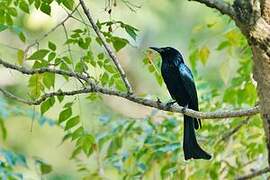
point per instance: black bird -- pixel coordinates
(180, 83)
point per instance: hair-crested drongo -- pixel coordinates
(181, 86)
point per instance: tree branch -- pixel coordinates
(143, 101)
(95, 88)
(46, 34)
(233, 131)
(265, 8)
(220, 5)
(107, 47)
(254, 174)
(24, 70)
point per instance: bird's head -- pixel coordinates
(168, 53)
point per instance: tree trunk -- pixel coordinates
(261, 70)
(258, 35)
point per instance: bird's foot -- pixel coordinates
(184, 109)
(170, 103)
(158, 101)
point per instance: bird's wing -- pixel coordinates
(189, 85)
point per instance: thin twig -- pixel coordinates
(47, 33)
(24, 70)
(254, 174)
(233, 131)
(107, 47)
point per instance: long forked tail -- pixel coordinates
(191, 146)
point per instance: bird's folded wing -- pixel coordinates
(189, 85)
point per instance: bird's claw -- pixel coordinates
(158, 101)
(184, 109)
(169, 104)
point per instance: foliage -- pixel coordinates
(10, 160)
(134, 148)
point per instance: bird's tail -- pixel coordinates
(191, 146)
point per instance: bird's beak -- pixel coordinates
(159, 50)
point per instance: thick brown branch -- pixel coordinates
(220, 5)
(254, 174)
(265, 8)
(107, 47)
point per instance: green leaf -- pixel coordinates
(51, 56)
(9, 20)
(3, 129)
(198, 28)
(66, 137)
(72, 122)
(77, 151)
(64, 115)
(31, 1)
(84, 44)
(45, 168)
(52, 46)
(204, 54)
(151, 68)
(22, 37)
(37, 3)
(24, 6)
(46, 8)
(99, 41)
(94, 97)
(104, 79)
(19, 32)
(46, 105)
(223, 45)
(39, 55)
(225, 71)
(12, 11)
(131, 31)
(67, 60)
(120, 85)
(193, 57)
(87, 142)
(35, 85)
(3, 27)
(68, 4)
(60, 98)
(48, 1)
(20, 56)
(159, 78)
(119, 43)
(65, 67)
(77, 133)
(233, 37)
(68, 105)
(80, 67)
(100, 56)
(115, 144)
(110, 68)
(49, 80)
(169, 147)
